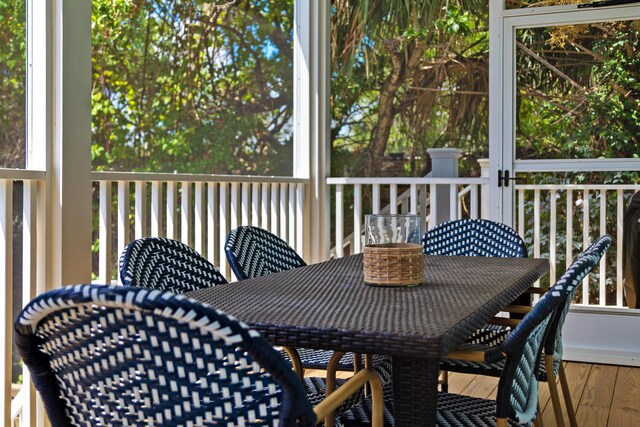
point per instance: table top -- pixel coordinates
(327, 305)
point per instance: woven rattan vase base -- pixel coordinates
(393, 264)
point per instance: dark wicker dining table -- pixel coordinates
(328, 306)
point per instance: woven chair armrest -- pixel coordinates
(535, 290)
(335, 399)
(518, 309)
(504, 321)
(470, 355)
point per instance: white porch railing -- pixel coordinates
(198, 210)
(542, 213)
(398, 196)
(21, 194)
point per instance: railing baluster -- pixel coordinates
(393, 198)
(283, 212)
(234, 211)
(619, 233)
(212, 230)
(123, 218)
(274, 208)
(255, 204)
(585, 241)
(536, 223)
(223, 216)
(140, 209)
(264, 206)
(172, 209)
(569, 225)
(292, 215)
(199, 217)
(453, 202)
(553, 229)
(300, 223)
(339, 220)
(433, 205)
(603, 264)
(521, 214)
(475, 206)
(375, 194)
(413, 197)
(156, 208)
(185, 213)
(246, 206)
(104, 232)
(357, 219)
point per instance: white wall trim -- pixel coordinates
(602, 335)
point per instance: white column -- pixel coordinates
(444, 164)
(70, 168)
(484, 189)
(311, 66)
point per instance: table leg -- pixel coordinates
(415, 391)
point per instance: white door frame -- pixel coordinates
(591, 334)
(503, 24)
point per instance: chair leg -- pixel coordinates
(295, 361)
(502, 422)
(553, 390)
(567, 397)
(332, 368)
(444, 381)
(537, 421)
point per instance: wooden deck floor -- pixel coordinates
(603, 395)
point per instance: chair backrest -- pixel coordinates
(254, 252)
(168, 265)
(553, 345)
(120, 355)
(474, 237)
(518, 387)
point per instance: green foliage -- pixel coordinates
(187, 86)
(430, 58)
(13, 76)
(590, 107)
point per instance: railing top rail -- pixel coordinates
(589, 187)
(406, 180)
(188, 177)
(21, 174)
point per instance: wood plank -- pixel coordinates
(577, 375)
(624, 417)
(627, 391)
(459, 382)
(483, 387)
(592, 416)
(599, 388)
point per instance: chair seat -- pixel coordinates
(465, 411)
(319, 359)
(488, 340)
(453, 410)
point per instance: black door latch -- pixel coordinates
(503, 178)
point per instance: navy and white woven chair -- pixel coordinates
(480, 237)
(520, 356)
(166, 265)
(474, 237)
(254, 252)
(551, 365)
(120, 355)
